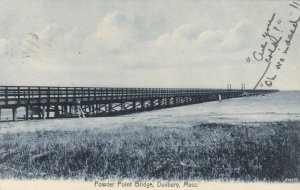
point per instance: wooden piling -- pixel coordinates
(14, 113)
(48, 111)
(26, 112)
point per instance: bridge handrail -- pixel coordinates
(28, 92)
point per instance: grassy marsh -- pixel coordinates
(249, 152)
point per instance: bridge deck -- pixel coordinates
(31, 97)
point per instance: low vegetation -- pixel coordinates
(248, 152)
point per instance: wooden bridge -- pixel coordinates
(41, 102)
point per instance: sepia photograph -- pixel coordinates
(140, 94)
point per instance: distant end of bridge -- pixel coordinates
(42, 102)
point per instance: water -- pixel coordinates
(280, 106)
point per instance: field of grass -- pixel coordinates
(248, 152)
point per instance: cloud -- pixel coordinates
(193, 38)
(181, 35)
(242, 35)
(187, 31)
(210, 39)
(118, 40)
(116, 31)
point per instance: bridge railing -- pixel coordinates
(31, 92)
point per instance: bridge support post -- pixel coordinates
(56, 111)
(123, 106)
(70, 109)
(26, 113)
(65, 110)
(174, 101)
(134, 106)
(31, 112)
(142, 105)
(14, 113)
(105, 108)
(93, 109)
(152, 104)
(90, 109)
(97, 109)
(44, 112)
(109, 107)
(48, 111)
(159, 102)
(39, 112)
(168, 102)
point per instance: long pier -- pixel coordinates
(42, 102)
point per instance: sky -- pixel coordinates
(130, 43)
